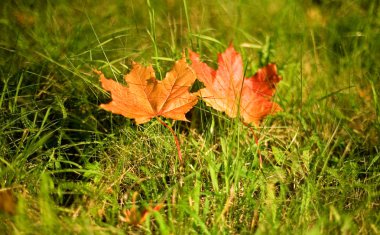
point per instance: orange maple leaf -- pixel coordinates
(145, 97)
(228, 91)
(134, 216)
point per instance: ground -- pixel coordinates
(70, 167)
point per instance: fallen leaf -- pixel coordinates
(134, 216)
(24, 19)
(145, 97)
(8, 201)
(228, 91)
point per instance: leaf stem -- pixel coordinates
(175, 138)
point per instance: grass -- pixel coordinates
(74, 168)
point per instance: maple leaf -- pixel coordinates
(134, 216)
(145, 97)
(228, 91)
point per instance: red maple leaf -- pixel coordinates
(228, 91)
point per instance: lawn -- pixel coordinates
(68, 166)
